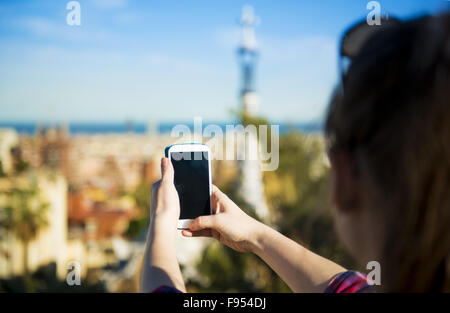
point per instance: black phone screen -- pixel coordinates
(192, 183)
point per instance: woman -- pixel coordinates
(388, 127)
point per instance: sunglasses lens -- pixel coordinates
(356, 36)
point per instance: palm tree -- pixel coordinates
(25, 217)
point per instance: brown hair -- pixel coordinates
(392, 116)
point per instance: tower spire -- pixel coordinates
(248, 56)
(248, 22)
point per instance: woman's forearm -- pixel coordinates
(160, 265)
(301, 269)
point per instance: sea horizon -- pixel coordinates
(121, 127)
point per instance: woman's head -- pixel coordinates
(389, 130)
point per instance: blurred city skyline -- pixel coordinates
(171, 61)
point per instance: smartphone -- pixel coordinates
(192, 166)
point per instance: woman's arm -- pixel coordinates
(160, 264)
(301, 269)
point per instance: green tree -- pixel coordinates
(141, 195)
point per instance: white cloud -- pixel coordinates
(37, 25)
(300, 50)
(295, 75)
(227, 38)
(44, 27)
(179, 64)
(110, 4)
(126, 18)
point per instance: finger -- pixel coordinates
(215, 188)
(218, 199)
(202, 222)
(217, 193)
(215, 205)
(187, 233)
(215, 208)
(198, 233)
(167, 171)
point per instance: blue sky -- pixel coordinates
(171, 60)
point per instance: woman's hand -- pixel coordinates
(165, 204)
(230, 225)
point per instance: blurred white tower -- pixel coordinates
(248, 55)
(251, 184)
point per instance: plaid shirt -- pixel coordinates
(349, 282)
(345, 282)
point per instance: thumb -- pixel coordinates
(202, 222)
(167, 171)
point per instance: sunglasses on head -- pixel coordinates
(354, 39)
(351, 43)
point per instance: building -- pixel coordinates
(8, 140)
(50, 245)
